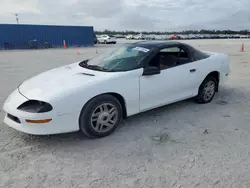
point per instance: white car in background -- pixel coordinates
(139, 37)
(107, 39)
(94, 95)
(129, 37)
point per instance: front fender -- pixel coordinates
(125, 84)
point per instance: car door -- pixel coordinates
(173, 83)
(102, 37)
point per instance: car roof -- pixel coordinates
(156, 42)
(153, 44)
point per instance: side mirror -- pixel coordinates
(151, 70)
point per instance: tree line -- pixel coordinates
(203, 31)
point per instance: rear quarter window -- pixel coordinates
(199, 55)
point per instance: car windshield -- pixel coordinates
(123, 58)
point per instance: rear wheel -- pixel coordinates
(100, 116)
(207, 90)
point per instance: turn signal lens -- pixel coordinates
(38, 121)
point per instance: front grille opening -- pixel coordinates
(14, 118)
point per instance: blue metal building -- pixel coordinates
(19, 36)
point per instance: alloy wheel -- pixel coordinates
(104, 117)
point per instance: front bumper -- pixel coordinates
(17, 119)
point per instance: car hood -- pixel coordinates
(58, 81)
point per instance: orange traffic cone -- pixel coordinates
(64, 44)
(77, 53)
(242, 49)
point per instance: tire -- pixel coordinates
(95, 111)
(207, 90)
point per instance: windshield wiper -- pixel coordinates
(94, 67)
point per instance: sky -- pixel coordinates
(137, 15)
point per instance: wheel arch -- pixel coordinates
(216, 75)
(118, 96)
(122, 102)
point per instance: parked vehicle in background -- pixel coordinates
(139, 37)
(95, 39)
(175, 37)
(129, 37)
(150, 37)
(159, 37)
(107, 39)
(119, 36)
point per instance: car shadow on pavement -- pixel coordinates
(159, 117)
(54, 139)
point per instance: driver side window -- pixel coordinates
(170, 57)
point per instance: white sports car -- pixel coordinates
(94, 95)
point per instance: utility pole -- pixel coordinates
(17, 19)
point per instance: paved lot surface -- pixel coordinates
(200, 146)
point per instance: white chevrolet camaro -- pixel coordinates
(94, 95)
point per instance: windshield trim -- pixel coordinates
(81, 64)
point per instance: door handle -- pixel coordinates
(192, 70)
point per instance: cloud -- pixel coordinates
(99, 8)
(148, 15)
(16, 6)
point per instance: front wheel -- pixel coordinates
(207, 90)
(100, 116)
